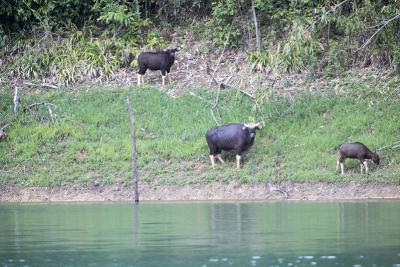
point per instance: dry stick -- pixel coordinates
(375, 33)
(253, 9)
(16, 100)
(333, 9)
(42, 84)
(222, 54)
(273, 188)
(212, 114)
(393, 145)
(135, 175)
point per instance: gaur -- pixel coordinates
(234, 136)
(358, 151)
(160, 60)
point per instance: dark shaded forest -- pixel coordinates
(70, 41)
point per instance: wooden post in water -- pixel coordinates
(135, 175)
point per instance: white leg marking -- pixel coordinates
(342, 167)
(361, 167)
(169, 77)
(138, 79)
(142, 76)
(212, 160)
(238, 157)
(163, 80)
(220, 159)
(366, 167)
(337, 165)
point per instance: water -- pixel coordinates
(201, 234)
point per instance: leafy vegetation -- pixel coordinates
(89, 140)
(70, 41)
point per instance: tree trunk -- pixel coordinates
(253, 9)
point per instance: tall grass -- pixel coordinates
(90, 142)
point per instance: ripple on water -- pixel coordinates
(396, 265)
(256, 257)
(328, 257)
(213, 260)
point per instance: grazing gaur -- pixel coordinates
(355, 151)
(160, 60)
(234, 136)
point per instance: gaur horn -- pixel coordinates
(253, 125)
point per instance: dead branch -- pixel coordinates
(201, 98)
(393, 145)
(33, 106)
(376, 32)
(42, 85)
(333, 9)
(212, 114)
(220, 85)
(273, 188)
(222, 54)
(16, 100)
(248, 94)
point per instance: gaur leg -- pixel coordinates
(238, 158)
(142, 71)
(361, 166)
(213, 152)
(366, 167)
(169, 76)
(212, 158)
(341, 163)
(163, 72)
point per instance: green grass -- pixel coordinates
(90, 141)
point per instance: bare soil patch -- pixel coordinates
(212, 191)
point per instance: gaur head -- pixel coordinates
(375, 158)
(252, 127)
(171, 51)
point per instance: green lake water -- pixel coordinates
(201, 234)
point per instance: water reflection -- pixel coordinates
(201, 234)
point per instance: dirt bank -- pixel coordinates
(213, 191)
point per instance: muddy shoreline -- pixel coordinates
(212, 191)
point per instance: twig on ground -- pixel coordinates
(248, 94)
(273, 188)
(201, 98)
(42, 84)
(31, 107)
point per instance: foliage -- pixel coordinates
(120, 19)
(90, 142)
(102, 36)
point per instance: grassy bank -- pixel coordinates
(89, 141)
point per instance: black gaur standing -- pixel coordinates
(234, 136)
(160, 60)
(358, 151)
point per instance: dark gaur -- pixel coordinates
(160, 60)
(358, 151)
(234, 136)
